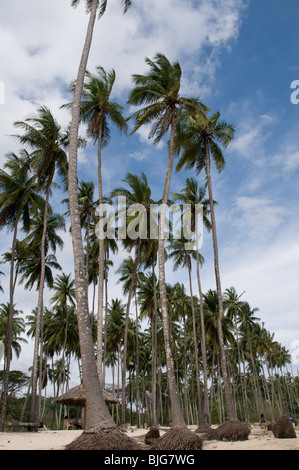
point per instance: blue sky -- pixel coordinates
(239, 57)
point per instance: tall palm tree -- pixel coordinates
(18, 196)
(233, 306)
(147, 298)
(194, 196)
(97, 414)
(159, 91)
(182, 257)
(98, 111)
(137, 201)
(201, 138)
(48, 142)
(115, 339)
(64, 290)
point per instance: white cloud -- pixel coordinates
(258, 218)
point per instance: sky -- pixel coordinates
(238, 57)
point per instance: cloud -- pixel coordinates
(252, 133)
(258, 218)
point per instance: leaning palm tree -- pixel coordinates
(18, 195)
(201, 137)
(159, 91)
(98, 111)
(97, 414)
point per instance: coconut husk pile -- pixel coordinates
(152, 435)
(108, 439)
(204, 425)
(178, 438)
(283, 428)
(230, 431)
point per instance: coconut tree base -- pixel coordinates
(152, 435)
(230, 431)
(284, 429)
(104, 439)
(178, 438)
(204, 425)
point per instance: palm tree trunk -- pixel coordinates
(101, 269)
(154, 350)
(203, 340)
(8, 339)
(195, 346)
(39, 317)
(137, 366)
(97, 414)
(105, 321)
(229, 401)
(176, 412)
(124, 365)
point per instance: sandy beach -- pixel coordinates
(57, 440)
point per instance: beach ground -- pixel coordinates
(57, 440)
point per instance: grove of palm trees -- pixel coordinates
(134, 315)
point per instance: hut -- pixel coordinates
(76, 397)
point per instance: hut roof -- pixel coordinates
(76, 397)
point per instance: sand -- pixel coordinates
(57, 440)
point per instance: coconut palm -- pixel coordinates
(115, 337)
(182, 258)
(64, 290)
(30, 270)
(159, 91)
(97, 414)
(233, 307)
(48, 142)
(88, 210)
(98, 111)
(137, 200)
(18, 196)
(194, 196)
(201, 137)
(20, 254)
(18, 328)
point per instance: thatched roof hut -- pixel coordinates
(76, 397)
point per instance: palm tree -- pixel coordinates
(88, 210)
(137, 200)
(17, 197)
(44, 136)
(247, 321)
(233, 306)
(18, 328)
(147, 298)
(97, 111)
(194, 196)
(97, 414)
(31, 273)
(182, 257)
(201, 137)
(65, 290)
(159, 92)
(115, 336)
